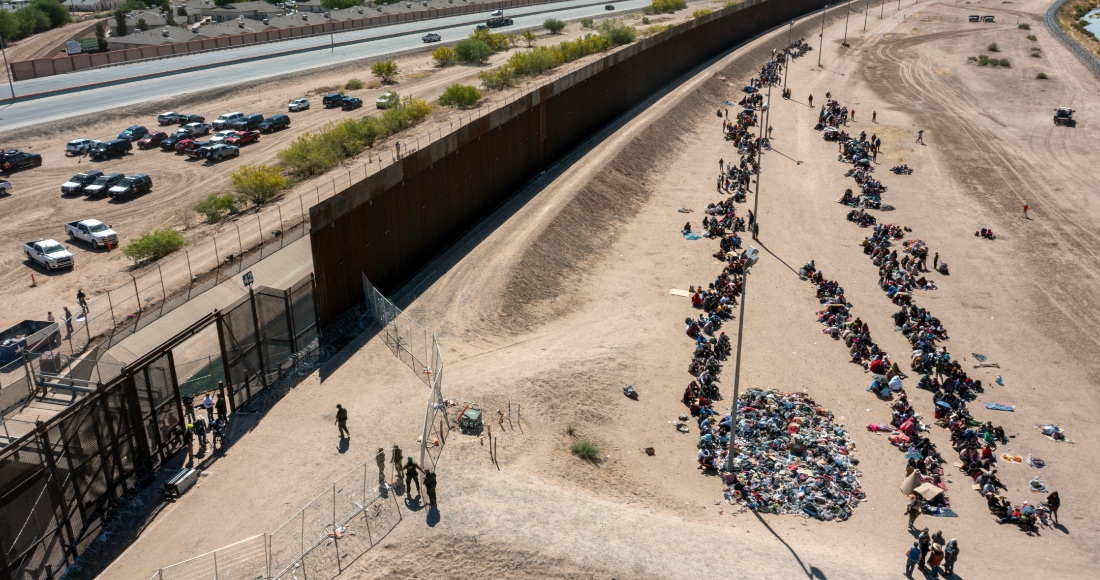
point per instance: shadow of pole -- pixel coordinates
(810, 572)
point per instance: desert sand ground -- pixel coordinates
(564, 296)
(37, 209)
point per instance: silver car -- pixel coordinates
(80, 146)
(298, 105)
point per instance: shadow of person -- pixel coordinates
(1061, 528)
(413, 504)
(433, 516)
(344, 444)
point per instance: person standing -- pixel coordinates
(188, 407)
(912, 509)
(1054, 502)
(752, 218)
(936, 261)
(920, 136)
(811, 101)
(68, 320)
(412, 475)
(874, 116)
(219, 406)
(380, 458)
(49, 317)
(852, 114)
(208, 404)
(935, 558)
(1026, 207)
(82, 300)
(200, 432)
(342, 422)
(950, 555)
(924, 542)
(429, 486)
(189, 441)
(911, 558)
(396, 459)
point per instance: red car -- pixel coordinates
(186, 145)
(242, 137)
(152, 140)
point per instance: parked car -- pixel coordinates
(13, 159)
(152, 140)
(48, 253)
(216, 152)
(186, 145)
(609, 7)
(80, 146)
(387, 100)
(332, 100)
(170, 141)
(351, 103)
(135, 184)
(274, 122)
(298, 105)
(93, 232)
(109, 148)
(169, 118)
(79, 181)
(103, 184)
(242, 138)
(5, 187)
(431, 37)
(197, 129)
(247, 123)
(134, 133)
(496, 13)
(185, 119)
(223, 121)
(222, 136)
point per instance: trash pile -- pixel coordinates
(791, 458)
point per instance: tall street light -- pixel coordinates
(6, 68)
(866, 7)
(821, 44)
(846, 15)
(787, 51)
(751, 256)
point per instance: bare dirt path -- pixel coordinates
(46, 44)
(604, 233)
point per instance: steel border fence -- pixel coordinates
(1087, 58)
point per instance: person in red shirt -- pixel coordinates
(1025, 209)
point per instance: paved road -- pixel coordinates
(316, 54)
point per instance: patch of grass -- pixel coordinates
(1004, 62)
(664, 6)
(587, 22)
(570, 430)
(993, 47)
(354, 85)
(1032, 37)
(971, 59)
(1042, 76)
(700, 13)
(585, 449)
(1024, 27)
(645, 20)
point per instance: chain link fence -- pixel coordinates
(1090, 60)
(404, 336)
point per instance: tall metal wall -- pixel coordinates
(391, 224)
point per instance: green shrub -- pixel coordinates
(554, 25)
(31, 20)
(101, 36)
(258, 184)
(649, 31)
(730, 4)
(1032, 37)
(121, 27)
(700, 13)
(645, 20)
(461, 96)
(495, 40)
(585, 449)
(665, 6)
(993, 47)
(586, 22)
(385, 70)
(155, 245)
(1004, 62)
(499, 78)
(984, 60)
(443, 56)
(1042, 76)
(570, 430)
(57, 12)
(354, 85)
(529, 38)
(971, 59)
(616, 33)
(1024, 27)
(215, 206)
(535, 61)
(472, 50)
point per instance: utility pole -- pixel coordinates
(751, 256)
(866, 7)
(787, 51)
(6, 68)
(881, 7)
(821, 36)
(846, 16)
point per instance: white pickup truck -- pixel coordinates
(48, 253)
(93, 232)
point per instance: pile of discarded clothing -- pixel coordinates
(790, 457)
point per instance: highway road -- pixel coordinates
(218, 70)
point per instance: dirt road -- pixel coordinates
(564, 297)
(49, 43)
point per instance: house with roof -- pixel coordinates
(250, 10)
(155, 37)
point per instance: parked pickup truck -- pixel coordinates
(94, 232)
(50, 254)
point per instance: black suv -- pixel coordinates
(274, 122)
(109, 148)
(351, 103)
(79, 182)
(13, 159)
(136, 184)
(102, 184)
(332, 100)
(247, 122)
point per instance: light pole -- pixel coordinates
(881, 7)
(821, 44)
(751, 256)
(846, 15)
(6, 68)
(866, 7)
(759, 158)
(787, 51)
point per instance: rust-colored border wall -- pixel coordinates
(391, 224)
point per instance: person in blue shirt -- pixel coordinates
(911, 558)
